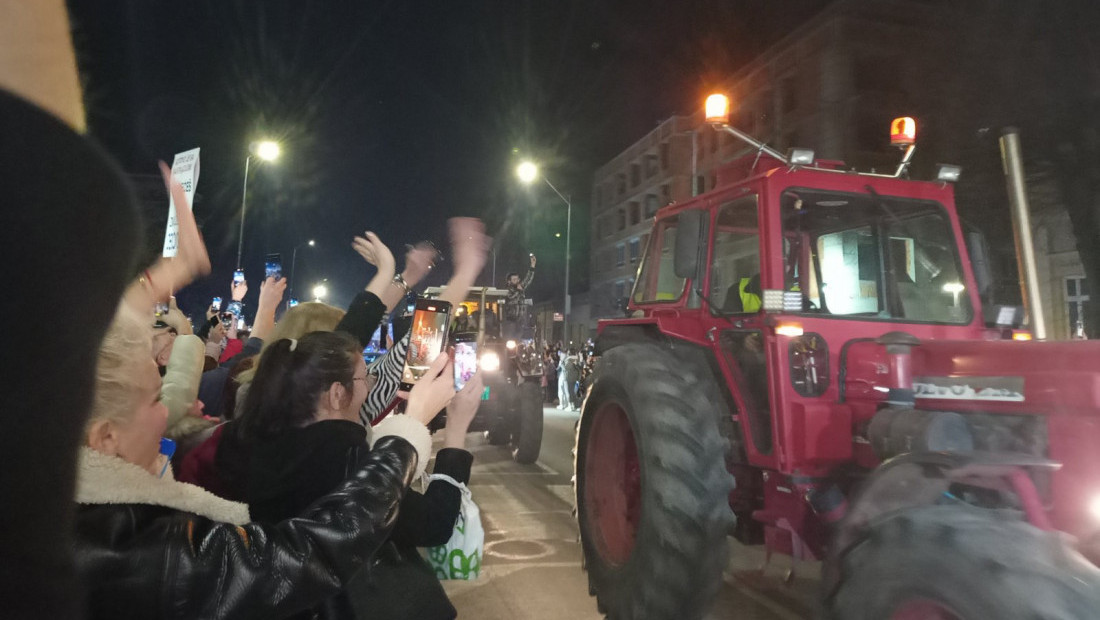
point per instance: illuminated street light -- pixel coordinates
(528, 172)
(266, 150)
(320, 292)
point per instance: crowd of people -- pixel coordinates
(222, 473)
(567, 374)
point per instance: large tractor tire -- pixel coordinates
(652, 486)
(958, 562)
(527, 438)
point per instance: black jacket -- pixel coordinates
(146, 561)
(289, 470)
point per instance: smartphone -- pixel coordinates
(293, 302)
(236, 308)
(238, 277)
(465, 361)
(161, 308)
(216, 304)
(240, 324)
(273, 266)
(430, 325)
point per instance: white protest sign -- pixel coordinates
(185, 168)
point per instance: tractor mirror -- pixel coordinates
(689, 232)
(979, 261)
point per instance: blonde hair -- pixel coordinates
(311, 316)
(125, 348)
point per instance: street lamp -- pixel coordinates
(528, 172)
(293, 262)
(320, 292)
(266, 150)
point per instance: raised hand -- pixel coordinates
(419, 260)
(191, 256)
(469, 245)
(532, 261)
(371, 248)
(433, 391)
(238, 290)
(461, 412)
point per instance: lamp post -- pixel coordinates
(528, 172)
(267, 151)
(320, 292)
(293, 262)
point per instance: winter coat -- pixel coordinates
(149, 547)
(293, 468)
(181, 387)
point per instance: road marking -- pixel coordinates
(545, 549)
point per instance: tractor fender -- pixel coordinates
(921, 479)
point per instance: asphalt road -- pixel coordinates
(532, 564)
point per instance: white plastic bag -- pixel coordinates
(460, 558)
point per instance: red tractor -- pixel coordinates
(808, 369)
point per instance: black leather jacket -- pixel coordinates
(145, 561)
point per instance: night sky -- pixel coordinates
(395, 115)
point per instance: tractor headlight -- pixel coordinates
(510, 345)
(490, 361)
(1094, 507)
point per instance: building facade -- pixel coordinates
(833, 85)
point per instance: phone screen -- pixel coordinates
(236, 308)
(293, 302)
(273, 266)
(240, 324)
(430, 325)
(465, 363)
(216, 304)
(381, 339)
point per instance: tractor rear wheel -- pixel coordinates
(527, 439)
(958, 562)
(652, 486)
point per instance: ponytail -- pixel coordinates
(290, 378)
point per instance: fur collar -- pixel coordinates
(103, 479)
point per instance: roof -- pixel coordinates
(473, 294)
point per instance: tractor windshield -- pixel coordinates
(872, 256)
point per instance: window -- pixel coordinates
(1077, 294)
(635, 175)
(650, 206)
(620, 184)
(735, 269)
(656, 280)
(664, 156)
(621, 219)
(620, 290)
(666, 195)
(871, 257)
(700, 185)
(650, 165)
(635, 250)
(620, 255)
(635, 213)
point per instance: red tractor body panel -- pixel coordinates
(789, 437)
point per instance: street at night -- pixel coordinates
(550, 310)
(532, 568)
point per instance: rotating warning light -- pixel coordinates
(718, 109)
(903, 131)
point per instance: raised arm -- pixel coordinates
(470, 248)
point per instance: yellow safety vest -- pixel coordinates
(750, 302)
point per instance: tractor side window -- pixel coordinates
(657, 281)
(735, 268)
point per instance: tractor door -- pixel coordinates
(735, 323)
